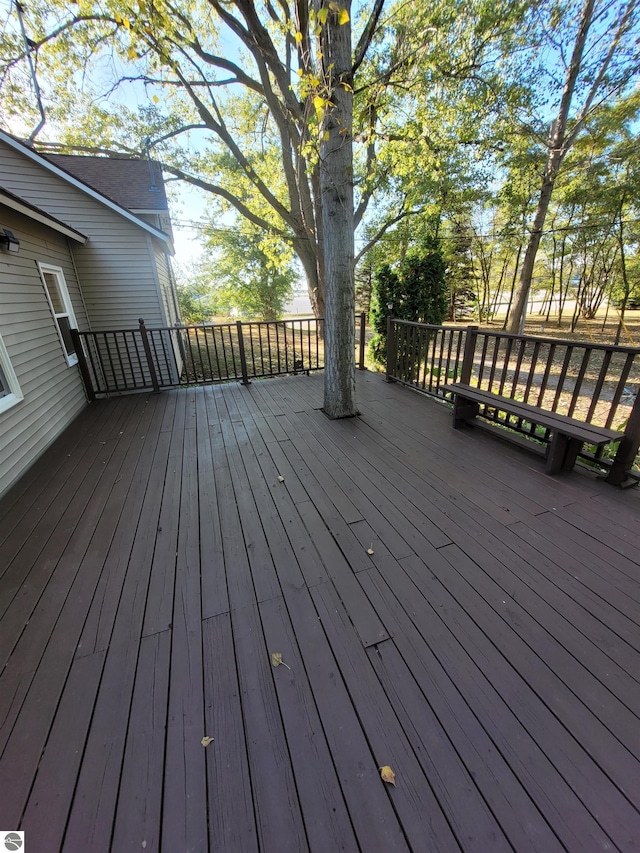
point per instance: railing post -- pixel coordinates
(391, 350)
(82, 364)
(468, 354)
(147, 351)
(363, 330)
(628, 447)
(243, 356)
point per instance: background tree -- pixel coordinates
(416, 291)
(249, 272)
(198, 301)
(604, 58)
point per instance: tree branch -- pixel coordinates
(367, 35)
(233, 200)
(584, 112)
(402, 215)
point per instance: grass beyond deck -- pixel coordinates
(488, 649)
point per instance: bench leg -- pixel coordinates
(463, 411)
(562, 453)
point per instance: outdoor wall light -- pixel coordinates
(9, 242)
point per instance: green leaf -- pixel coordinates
(323, 14)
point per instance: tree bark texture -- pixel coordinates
(336, 182)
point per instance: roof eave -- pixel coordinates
(76, 182)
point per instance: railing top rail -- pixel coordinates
(87, 333)
(427, 325)
(536, 338)
(560, 341)
(232, 324)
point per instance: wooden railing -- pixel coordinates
(126, 360)
(595, 383)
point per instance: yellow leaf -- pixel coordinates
(155, 99)
(126, 23)
(206, 741)
(297, 36)
(276, 660)
(323, 14)
(132, 54)
(334, 6)
(326, 135)
(387, 775)
(343, 17)
(319, 104)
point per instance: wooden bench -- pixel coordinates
(568, 434)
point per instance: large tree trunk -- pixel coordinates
(305, 250)
(515, 322)
(336, 182)
(558, 145)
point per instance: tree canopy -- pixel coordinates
(465, 122)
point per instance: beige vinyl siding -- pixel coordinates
(53, 392)
(166, 285)
(115, 267)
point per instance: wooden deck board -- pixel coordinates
(488, 649)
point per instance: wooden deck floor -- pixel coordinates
(488, 650)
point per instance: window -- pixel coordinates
(10, 392)
(58, 295)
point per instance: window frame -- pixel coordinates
(14, 394)
(63, 292)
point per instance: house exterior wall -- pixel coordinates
(116, 266)
(52, 390)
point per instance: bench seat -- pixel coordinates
(568, 434)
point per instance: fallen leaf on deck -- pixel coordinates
(206, 741)
(144, 844)
(276, 660)
(281, 479)
(388, 775)
(370, 550)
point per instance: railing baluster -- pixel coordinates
(561, 378)
(147, 352)
(269, 367)
(126, 345)
(253, 371)
(604, 368)
(516, 374)
(469, 354)
(91, 346)
(483, 358)
(494, 362)
(532, 370)
(547, 373)
(505, 369)
(243, 357)
(208, 349)
(448, 362)
(624, 375)
(215, 348)
(119, 357)
(579, 380)
(441, 335)
(113, 370)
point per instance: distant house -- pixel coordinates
(85, 243)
